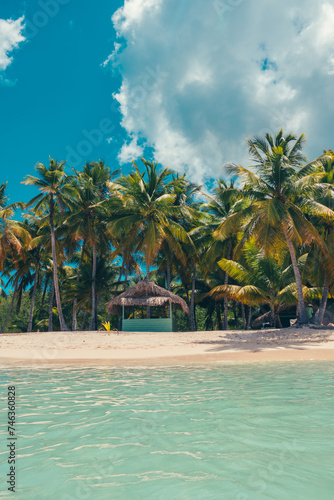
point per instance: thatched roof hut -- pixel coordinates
(145, 293)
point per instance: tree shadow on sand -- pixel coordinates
(256, 341)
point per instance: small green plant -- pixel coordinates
(106, 325)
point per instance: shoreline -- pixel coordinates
(165, 348)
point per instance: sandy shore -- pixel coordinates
(99, 348)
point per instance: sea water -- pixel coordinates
(228, 431)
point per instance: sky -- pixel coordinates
(183, 82)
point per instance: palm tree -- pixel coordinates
(33, 257)
(227, 200)
(55, 191)
(173, 251)
(278, 190)
(106, 278)
(260, 280)
(142, 220)
(13, 235)
(88, 219)
(324, 194)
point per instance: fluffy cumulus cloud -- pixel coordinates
(130, 151)
(10, 38)
(199, 77)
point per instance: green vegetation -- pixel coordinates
(261, 245)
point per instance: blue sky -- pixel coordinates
(57, 90)
(181, 81)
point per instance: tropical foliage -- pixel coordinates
(262, 242)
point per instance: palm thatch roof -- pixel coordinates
(145, 293)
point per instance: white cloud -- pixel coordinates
(132, 13)
(113, 56)
(130, 151)
(10, 38)
(199, 77)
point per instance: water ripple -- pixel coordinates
(229, 431)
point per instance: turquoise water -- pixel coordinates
(234, 432)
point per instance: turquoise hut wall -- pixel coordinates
(148, 325)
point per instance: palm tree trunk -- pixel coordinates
(226, 283)
(93, 321)
(19, 298)
(192, 301)
(301, 317)
(243, 315)
(63, 325)
(84, 320)
(74, 314)
(219, 318)
(225, 320)
(9, 310)
(234, 308)
(168, 275)
(126, 272)
(148, 310)
(33, 299)
(52, 299)
(249, 317)
(319, 316)
(120, 273)
(272, 316)
(44, 292)
(278, 321)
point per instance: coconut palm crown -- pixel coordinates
(277, 185)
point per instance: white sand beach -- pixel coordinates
(97, 348)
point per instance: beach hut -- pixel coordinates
(146, 307)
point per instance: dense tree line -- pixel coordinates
(261, 245)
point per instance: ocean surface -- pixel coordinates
(228, 431)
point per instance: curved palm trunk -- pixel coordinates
(121, 273)
(74, 314)
(319, 316)
(192, 301)
(301, 316)
(225, 321)
(168, 275)
(93, 320)
(148, 310)
(126, 272)
(9, 310)
(19, 298)
(52, 298)
(275, 319)
(272, 317)
(63, 325)
(278, 321)
(33, 299)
